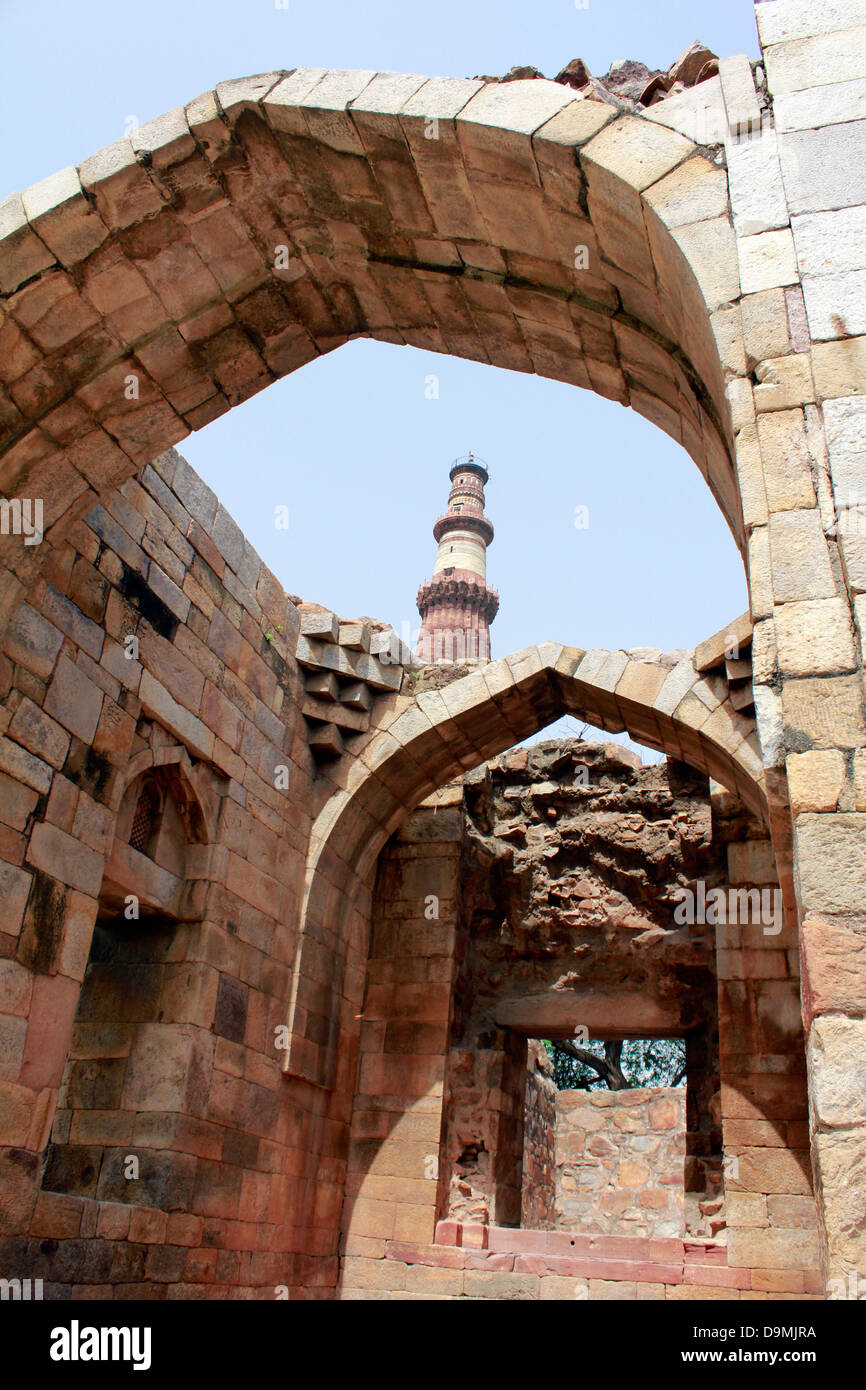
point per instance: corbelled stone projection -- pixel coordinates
(221, 1069)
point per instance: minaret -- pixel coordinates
(456, 606)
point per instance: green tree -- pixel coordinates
(617, 1066)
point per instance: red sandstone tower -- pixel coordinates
(456, 606)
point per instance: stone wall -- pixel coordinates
(573, 857)
(721, 298)
(512, 941)
(620, 1161)
(145, 988)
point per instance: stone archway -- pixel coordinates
(463, 967)
(144, 294)
(443, 731)
(177, 273)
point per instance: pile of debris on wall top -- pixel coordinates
(629, 84)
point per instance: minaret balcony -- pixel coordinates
(463, 521)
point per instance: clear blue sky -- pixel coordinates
(350, 443)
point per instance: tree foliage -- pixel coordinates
(616, 1066)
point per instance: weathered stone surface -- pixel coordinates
(832, 865)
(74, 701)
(785, 20)
(829, 104)
(33, 641)
(739, 95)
(757, 196)
(766, 260)
(211, 705)
(815, 638)
(773, 1249)
(792, 65)
(698, 113)
(840, 1164)
(815, 780)
(620, 1176)
(845, 426)
(823, 298)
(839, 368)
(827, 713)
(784, 382)
(823, 169)
(799, 557)
(834, 959)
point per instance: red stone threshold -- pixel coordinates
(643, 1259)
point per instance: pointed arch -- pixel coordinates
(440, 733)
(223, 245)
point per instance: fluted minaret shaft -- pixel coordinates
(456, 605)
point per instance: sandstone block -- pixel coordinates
(839, 368)
(63, 218)
(836, 304)
(748, 1208)
(768, 1170)
(767, 260)
(829, 713)
(65, 858)
(787, 460)
(765, 324)
(698, 113)
(830, 861)
(159, 704)
(40, 734)
(784, 382)
(836, 1056)
(792, 64)
(757, 195)
(692, 192)
(120, 185)
(33, 641)
(824, 169)
(775, 1248)
(496, 125)
(169, 1068)
(814, 638)
(14, 892)
(74, 701)
(799, 557)
(830, 104)
(711, 250)
(632, 152)
(815, 780)
(792, 1211)
(17, 802)
(845, 425)
(840, 1161)
(24, 254)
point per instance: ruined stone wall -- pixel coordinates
(620, 1161)
(538, 1195)
(723, 303)
(142, 1094)
(545, 916)
(573, 857)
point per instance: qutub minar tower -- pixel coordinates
(456, 605)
